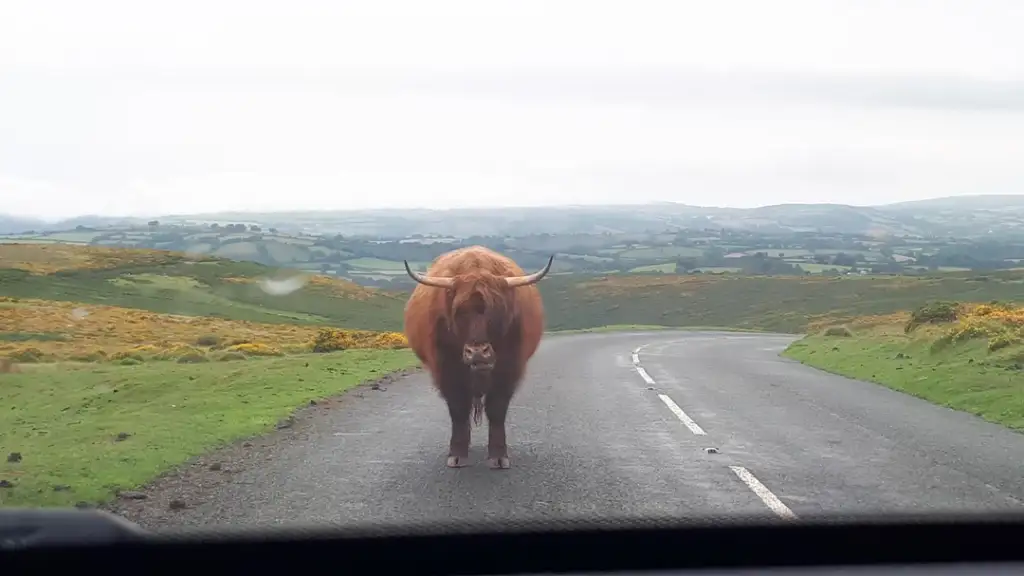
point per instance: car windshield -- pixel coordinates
(404, 263)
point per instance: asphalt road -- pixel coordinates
(616, 425)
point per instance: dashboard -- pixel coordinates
(41, 539)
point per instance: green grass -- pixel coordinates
(287, 252)
(719, 269)
(64, 420)
(380, 265)
(667, 268)
(791, 253)
(241, 250)
(965, 377)
(661, 252)
(73, 237)
(815, 268)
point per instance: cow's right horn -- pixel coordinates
(517, 281)
(435, 281)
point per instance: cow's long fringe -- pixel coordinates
(478, 410)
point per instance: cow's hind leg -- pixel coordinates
(496, 406)
(459, 401)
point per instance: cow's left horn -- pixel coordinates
(435, 281)
(517, 281)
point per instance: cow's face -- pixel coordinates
(478, 316)
(479, 310)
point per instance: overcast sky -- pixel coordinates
(147, 108)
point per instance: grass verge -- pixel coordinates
(966, 376)
(79, 433)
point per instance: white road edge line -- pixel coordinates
(682, 415)
(762, 492)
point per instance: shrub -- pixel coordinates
(841, 331)
(94, 356)
(933, 313)
(390, 340)
(208, 340)
(255, 349)
(1003, 340)
(129, 361)
(230, 356)
(296, 348)
(27, 355)
(193, 358)
(178, 352)
(331, 340)
(123, 354)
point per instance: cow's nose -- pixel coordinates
(478, 355)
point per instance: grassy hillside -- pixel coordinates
(967, 357)
(781, 304)
(177, 283)
(174, 283)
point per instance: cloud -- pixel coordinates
(127, 108)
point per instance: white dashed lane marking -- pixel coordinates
(683, 417)
(760, 490)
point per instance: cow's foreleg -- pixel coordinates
(496, 406)
(459, 404)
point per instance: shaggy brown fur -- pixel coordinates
(511, 320)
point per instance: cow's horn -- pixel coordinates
(517, 281)
(435, 281)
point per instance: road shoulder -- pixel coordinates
(165, 497)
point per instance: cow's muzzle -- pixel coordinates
(478, 356)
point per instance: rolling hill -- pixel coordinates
(179, 283)
(961, 216)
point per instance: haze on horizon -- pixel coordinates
(126, 108)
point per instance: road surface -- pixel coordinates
(614, 424)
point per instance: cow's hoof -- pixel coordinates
(457, 461)
(500, 463)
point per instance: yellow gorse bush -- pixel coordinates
(48, 329)
(255, 349)
(331, 339)
(1001, 324)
